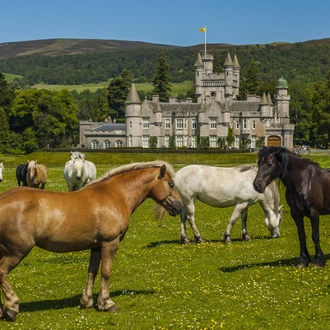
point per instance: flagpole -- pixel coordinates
(205, 39)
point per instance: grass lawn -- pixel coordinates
(160, 284)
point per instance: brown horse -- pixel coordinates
(36, 175)
(95, 217)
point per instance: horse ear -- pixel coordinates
(162, 172)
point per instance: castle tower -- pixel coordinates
(133, 118)
(282, 101)
(236, 77)
(229, 68)
(199, 70)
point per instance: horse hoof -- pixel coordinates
(227, 241)
(9, 315)
(184, 241)
(301, 265)
(113, 309)
(246, 238)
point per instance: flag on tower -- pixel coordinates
(202, 29)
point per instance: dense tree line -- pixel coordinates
(298, 61)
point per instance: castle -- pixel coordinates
(217, 115)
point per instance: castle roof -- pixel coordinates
(228, 61)
(199, 61)
(282, 83)
(109, 127)
(133, 96)
(236, 64)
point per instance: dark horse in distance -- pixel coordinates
(21, 173)
(307, 193)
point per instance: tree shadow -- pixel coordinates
(73, 301)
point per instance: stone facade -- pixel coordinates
(253, 122)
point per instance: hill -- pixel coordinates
(96, 61)
(52, 47)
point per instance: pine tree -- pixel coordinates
(161, 80)
(252, 78)
(117, 93)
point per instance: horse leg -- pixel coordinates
(304, 258)
(190, 208)
(10, 307)
(94, 263)
(244, 234)
(319, 260)
(109, 249)
(183, 217)
(239, 208)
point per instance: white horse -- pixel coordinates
(78, 173)
(224, 187)
(77, 154)
(1, 169)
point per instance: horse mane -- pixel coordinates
(137, 166)
(245, 168)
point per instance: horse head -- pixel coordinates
(32, 168)
(78, 168)
(165, 193)
(272, 162)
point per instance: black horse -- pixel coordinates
(307, 193)
(21, 172)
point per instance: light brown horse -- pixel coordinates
(36, 175)
(95, 217)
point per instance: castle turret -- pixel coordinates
(283, 101)
(199, 69)
(236, 77)
(133, 118)
(229, 67)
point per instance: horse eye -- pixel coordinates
(171, 184)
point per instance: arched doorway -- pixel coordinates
(274, 141)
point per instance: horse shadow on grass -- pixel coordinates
(278, 263)
(73, 301)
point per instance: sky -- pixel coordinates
(167, 22)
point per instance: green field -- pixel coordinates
(179, 88)
(160, 284)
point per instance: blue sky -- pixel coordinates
(166, 22)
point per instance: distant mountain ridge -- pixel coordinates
(67, 46)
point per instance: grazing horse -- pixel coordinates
(1, 169)
(21, 173)
(78, 173)
(307, 193)
(95, 217)
(36, 175)
(224, 187)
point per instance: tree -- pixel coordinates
(4, 131)
(161, 80)
(252, 78)
(230, 138)
(117, 93)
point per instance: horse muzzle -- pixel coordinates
(176, 208)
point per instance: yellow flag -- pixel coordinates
(202, 29)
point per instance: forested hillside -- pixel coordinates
(308, 61)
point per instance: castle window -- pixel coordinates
(119, 144)
(193, 123)
(213, 141)
(244, 123)
(167, 123)
(179, 123)
(167, 141)
(145, 123)
(130, 125)
(213, 123)
(145, 141)
(106, 144)
(253, 124)
(179, 141)
(130, 141)
(237, 124)
(95, 144)
(193, 142)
